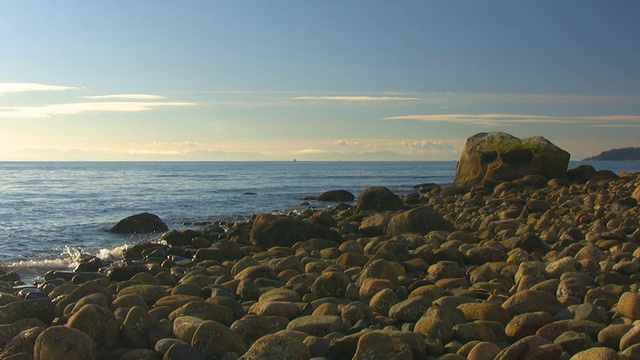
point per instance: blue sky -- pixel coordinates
(311, 80)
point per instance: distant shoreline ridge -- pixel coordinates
(622, 154)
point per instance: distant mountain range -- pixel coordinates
(625, 154)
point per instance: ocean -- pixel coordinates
(51, 212)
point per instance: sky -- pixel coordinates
(313, 80)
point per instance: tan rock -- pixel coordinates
(531, 301)
(277, 346)
(61, 342)
(531, 347)
(484, 351)
(376, 345)
(285, 309)
(319, 325)
(597, 353)
(629, 305)
(205, 311)
(212, 338)
(99, 323)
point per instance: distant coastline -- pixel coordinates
(624, 154)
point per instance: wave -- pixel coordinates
(33, 270)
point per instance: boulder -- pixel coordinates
(336, 196)
(422, 220)
(581, 173)
(61, 342)
(277, 346)
(97, 322)
(489, 158)
(378, 199)
(139, 223)
(375, 225)
(213, 339)
(274, 230)
(382, 346)
(41, 309)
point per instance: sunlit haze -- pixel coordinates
(313, 80)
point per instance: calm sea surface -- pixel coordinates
(50, 211)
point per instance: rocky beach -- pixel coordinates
(519, 259)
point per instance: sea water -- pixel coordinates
(52, 212)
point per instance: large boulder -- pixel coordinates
(421, 220)
(489, 158)
(274, 230)
(378, 199)
(139, 223)
(336, 196)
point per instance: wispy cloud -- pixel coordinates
(315, 97)
(346, 143)
(312, 151)
(355, 98)
(514, 119)
(474, 98)
(154, 152)
(6, 88)
(46, 111)
(126, 97)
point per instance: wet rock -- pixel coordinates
(336, 196)
(139, 223)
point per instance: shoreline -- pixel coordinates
(449, 274)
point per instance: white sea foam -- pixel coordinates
(115, 253)
(34, 270)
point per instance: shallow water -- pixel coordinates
(52, 211)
